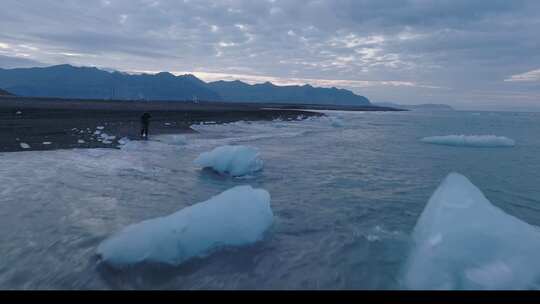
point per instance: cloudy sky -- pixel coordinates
(471, 54)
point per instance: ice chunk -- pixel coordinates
(47, 142)
(337, 122)
(106, 137)
(25, 145)
(80, 141)
(123, 140)
(470, 140)
(100, 127)
(462, 241)
(236, 217)
(233, 160)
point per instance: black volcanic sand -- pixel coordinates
(64, 122)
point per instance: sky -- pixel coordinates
(471, 54)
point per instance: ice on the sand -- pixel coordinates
(232, 160)
(470, 140)
(25, 145)
(236, 217)
(462, 241)
(106, 139)
(105, 136)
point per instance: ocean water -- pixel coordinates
(346, 191)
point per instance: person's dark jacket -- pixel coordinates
(145, 119)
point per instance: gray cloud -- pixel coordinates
(407, 51)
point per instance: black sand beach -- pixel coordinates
(48, 124)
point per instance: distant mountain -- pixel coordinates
(5, 93)
(420, 107)
(267, 92)
(66, 81)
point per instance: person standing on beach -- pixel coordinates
(145, 122)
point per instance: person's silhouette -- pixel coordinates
(145, 122)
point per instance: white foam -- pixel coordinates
(236, 217)
(470, 140)
(233, 160)
(462, 241)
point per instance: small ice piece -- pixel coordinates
(47, 142)
(123, 140)
(18, 113)
(462, 241)
(236, 217)
(470, 140)
(105, 136)
(337, 122)
(107, 142)
(167, 123)
(233, 160)
(373, 238)
(80, 141)
(97, 132)
(100, 127)
(25, 145)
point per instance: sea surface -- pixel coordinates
(346, 191)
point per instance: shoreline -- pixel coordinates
(61, 124)
(52, 124)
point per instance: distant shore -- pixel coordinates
(49, 124)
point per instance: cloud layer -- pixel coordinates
(463, 52)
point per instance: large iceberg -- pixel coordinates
(462, 241)
(233, 160)
(470, 140)
(236, 217)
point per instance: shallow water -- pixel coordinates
(345, 199)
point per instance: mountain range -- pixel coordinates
(66, 81)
